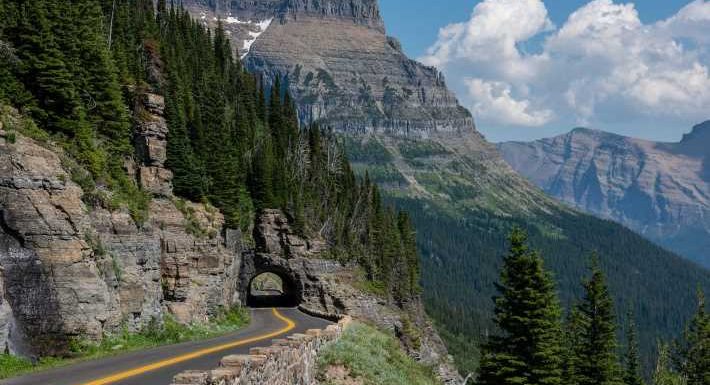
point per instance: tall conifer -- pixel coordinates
(598, 361)
(632, 364)
(695, 346)
(528, 350)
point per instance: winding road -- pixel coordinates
(158, 366)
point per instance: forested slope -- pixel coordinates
(80, 77)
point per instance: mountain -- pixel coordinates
(660, 190)
(406, 131)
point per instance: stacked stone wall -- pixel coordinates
(288, 361)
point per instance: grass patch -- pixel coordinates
(381, 174)
(368, 286)
(192, 225)
(421, 149)
(154, 334)
(368, 150)
(166, 333)
(11, 364)
(374, 358)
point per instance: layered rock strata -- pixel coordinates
(71, 271)
(661, 190)
(342, 69)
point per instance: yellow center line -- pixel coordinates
(290, 325)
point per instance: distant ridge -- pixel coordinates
(661, 190)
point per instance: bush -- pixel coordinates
(10, 365)
(374, 358)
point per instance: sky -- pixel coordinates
(536, 68)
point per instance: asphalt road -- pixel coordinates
(158, 366)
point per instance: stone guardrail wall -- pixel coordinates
(289, 361)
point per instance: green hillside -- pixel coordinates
(463, 217)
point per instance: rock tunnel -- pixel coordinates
(269, 281)
(262, 290)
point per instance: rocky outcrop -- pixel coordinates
(661, 190)
(355, 79)
(341, 67)
(73, 271)
(273, 235)
(290, 361)
(331, 290)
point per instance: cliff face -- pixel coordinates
(661, 190)
(346, 74)
(70, 271)
(341, 67)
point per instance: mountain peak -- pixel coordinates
(697, 140)
(593, 133)
(362, 11)
(699, 132)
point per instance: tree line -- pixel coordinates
(534, 345)
(234, 140)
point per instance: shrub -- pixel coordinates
(374, 358)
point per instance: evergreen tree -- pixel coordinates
(632, 365)
(695, 347)
(409, 252)
(528, 350)
(95, 74)
(572, 344)
(664, 373)
(44, 71)
(598, 363)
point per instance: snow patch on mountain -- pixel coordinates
(262, 27)
(259, 27)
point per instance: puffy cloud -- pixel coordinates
(602, 65)
(690, 22)
(493, 100)
(491, 35)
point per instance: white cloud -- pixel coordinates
(493, 100)
(491, 35)
(691, 22)
(602, 65)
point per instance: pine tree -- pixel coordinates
(44, 71)
(695, 347)
(572, 344)
(664, 373)
(95, 74)
(632, 366)
(598, 362)
(528, 350)
(187, 180)
(409, 257)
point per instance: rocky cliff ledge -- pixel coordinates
(73, 271)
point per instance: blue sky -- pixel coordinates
(416, 22)
(536, 106)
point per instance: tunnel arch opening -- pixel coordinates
(273, 288)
